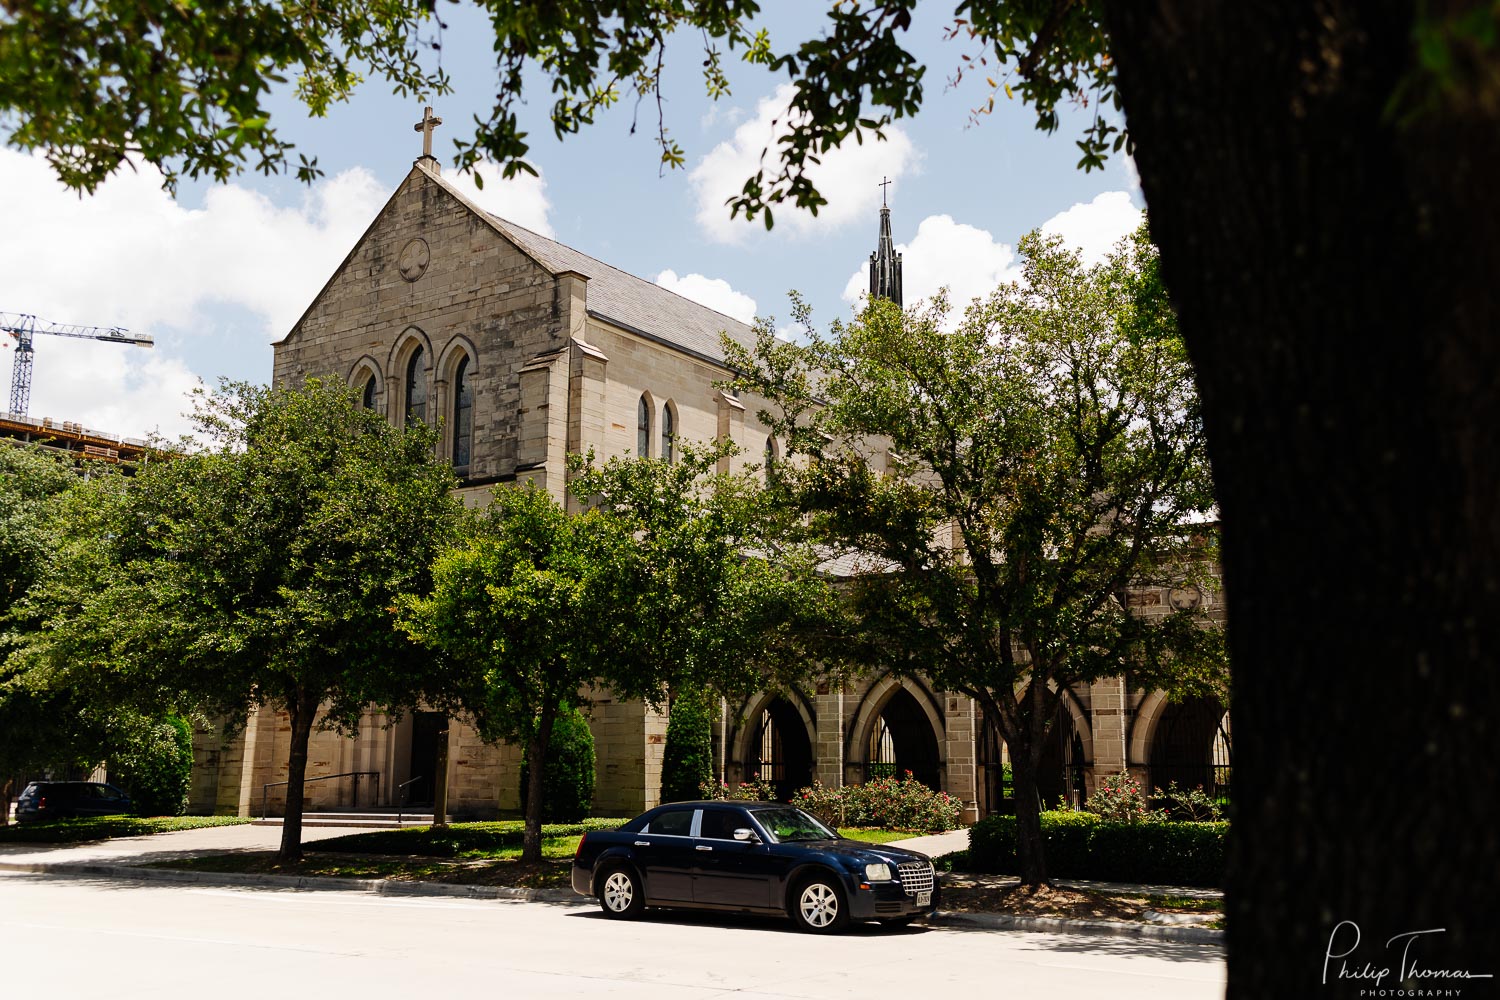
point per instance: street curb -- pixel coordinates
(376, 886)
(387, 887)
(1062, 925)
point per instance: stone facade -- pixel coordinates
(558, 351)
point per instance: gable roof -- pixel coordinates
(638, 305)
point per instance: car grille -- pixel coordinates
(916, 876)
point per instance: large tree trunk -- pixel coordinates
(536, 767)
(1337, 278)
(1031, 857)
(302, 711)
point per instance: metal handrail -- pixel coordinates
(401, 795)
(356, 775)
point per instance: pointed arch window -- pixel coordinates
(416, 388)
(463, 416)
(667, 431)
(367, 394)
(643, 428)
(770, 460)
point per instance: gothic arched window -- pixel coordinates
(643, 428)
(367, 394)
(463, 416)
(770, 455)
(416, 389)
(667, 430)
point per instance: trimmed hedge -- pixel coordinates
(1080, 845)
(688, 759)
(454, 840)
(568, 777)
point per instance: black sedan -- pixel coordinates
(751, 857)
(44, 800)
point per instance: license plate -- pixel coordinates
(924, 898)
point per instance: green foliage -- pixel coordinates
(1081, 845)
(156, 766)
(568, 778)
(688, 759)
(1119, 799)
(454, 840)
(78, 831)
(1193, 804)
(756, 789)
(1006, 480)
(651, 579)
(257, 565)
(890, 803)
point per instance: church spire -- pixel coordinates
(885, 262)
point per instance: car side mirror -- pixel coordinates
(744, 833)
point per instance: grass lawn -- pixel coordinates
(551, 873)
(876, 835)
(501, 839)
(76, 831)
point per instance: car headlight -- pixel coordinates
(878, 873)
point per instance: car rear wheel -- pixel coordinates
(620, 894)
(818, 905)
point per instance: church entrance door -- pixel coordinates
(425, 727)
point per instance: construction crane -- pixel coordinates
(23, 327)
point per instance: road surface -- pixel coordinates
(84, 937)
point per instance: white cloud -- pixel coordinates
(965, 259)
(522, 199)
(847, 176)
(130, 256)
(716, 293)
(1095, 227)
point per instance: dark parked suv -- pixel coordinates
(43, 800)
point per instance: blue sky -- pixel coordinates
(221, 272)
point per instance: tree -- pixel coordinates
(1040, 459)
(568, 779)
(1327, 229)
(259, 567)
(651, 585)
(687, 760)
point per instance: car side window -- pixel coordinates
(673, 822)
(720, 824)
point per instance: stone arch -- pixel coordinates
(458, 350)
(797, 724)
(408, 343)
(669, 432)
(652, 423)
(1190, 745)
(1143, 727)
(362, 371)
(872, 706)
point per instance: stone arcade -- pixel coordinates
(527, 350)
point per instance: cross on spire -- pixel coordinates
(425, 126)
(884, 183)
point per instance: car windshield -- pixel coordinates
(788, 825)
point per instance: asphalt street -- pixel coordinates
(96, 937)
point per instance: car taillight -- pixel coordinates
(579, 849)
(41, 803)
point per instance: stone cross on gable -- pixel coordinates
(425, 126)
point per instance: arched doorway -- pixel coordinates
(1192, 747)
(902, 740)
(1060, 775)
(780, 750)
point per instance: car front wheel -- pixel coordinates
(620, 894)
(818, 906)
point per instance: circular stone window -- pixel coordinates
(414, 259)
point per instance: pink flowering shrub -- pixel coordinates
(1119, 799)
(889, 803)
(754, 790)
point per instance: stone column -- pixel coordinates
(1108, 705)
(732, 429)
(958, 719)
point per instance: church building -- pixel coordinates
(524, 350)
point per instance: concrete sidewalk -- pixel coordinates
(149, 848)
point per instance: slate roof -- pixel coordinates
(635, 303)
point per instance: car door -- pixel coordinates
(731, 873)
(664, 849)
